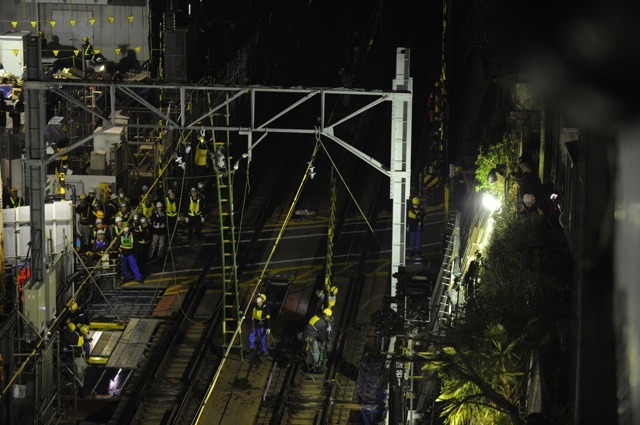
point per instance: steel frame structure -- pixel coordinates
(257, 104)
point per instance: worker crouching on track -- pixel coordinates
(260, 326)
(316, 337)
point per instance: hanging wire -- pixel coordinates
(348, 190)
(257, 285)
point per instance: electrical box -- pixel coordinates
(35, 308)
(107, 141)
(99, 162)
(12, 47)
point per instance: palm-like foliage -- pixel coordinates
(512, 313)
(481, 380)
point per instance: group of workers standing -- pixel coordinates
(139, 234)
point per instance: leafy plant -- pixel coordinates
(513, 312)
(502, 155)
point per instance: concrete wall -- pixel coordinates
(112, 28)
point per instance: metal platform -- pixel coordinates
(124, 304)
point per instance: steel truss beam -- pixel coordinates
(256, 103)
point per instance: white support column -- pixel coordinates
(400, 162)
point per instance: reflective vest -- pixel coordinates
(194, 206)
(170, 207)
(15, 203)
(201, 155)
(261, 315)
(126, 241)
(146, 210)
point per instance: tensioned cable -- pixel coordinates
(349, 190)
(256, 286)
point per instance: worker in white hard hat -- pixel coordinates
(171, 209)
(416, 216)
(194, 217)
(116, 230)
(260, 326)
(159, 232)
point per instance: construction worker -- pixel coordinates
(328, 298)
(70, 336)
(260, 326)
(194, 216)
(72, 341)
(83, 210)
(116, 230)
(86, 336)
(144, 190)
(43, 41)
(100, 245)
(159, 232)
(127, 255)
(86, 51)
(99, 225)
(124, 212)
(416, 216)
(77, 315)
(14, 200)
(316, 338)
(122, 197)
(146, 207)
(143, 238)
(171, 209)
(95, 203)
(111, 209)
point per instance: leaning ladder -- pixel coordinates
(228, 247)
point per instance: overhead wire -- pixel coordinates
(257, 285)
(350, 193)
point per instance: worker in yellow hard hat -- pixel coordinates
(14, 201)
(316, 337)
(87, 49)
(416, 216)
(260, 326)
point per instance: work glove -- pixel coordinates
(268, 331)
(186, 219)
(201, 219)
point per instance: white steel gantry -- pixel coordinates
(261, 123)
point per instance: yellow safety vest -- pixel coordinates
(194, 206)
(126, 242)
(201, 155)
(170, 207)
(146, 210)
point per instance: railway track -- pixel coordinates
(172, 382)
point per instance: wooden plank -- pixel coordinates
(165, 306)
(104, 343)
(133, 343)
